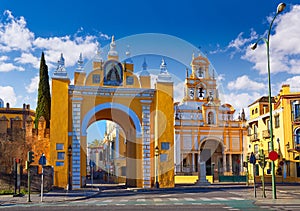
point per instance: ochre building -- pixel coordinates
(286, 135)
(110, 90)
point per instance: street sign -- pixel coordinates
(273, 155)
(252, 158)
(42, 160)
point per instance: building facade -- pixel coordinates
(286, 134)
(18, 136)
(205, 129)
(110, 90)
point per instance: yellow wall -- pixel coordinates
(59, 129)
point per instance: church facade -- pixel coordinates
(205, 129)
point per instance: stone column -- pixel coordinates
(201, 172)
(230, 163)
(193, 162)
(224, 163)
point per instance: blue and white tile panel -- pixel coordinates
(146, 143)
(76, 107)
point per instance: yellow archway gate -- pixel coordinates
(112, 91)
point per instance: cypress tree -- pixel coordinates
(44, 99)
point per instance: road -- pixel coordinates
(186, 198)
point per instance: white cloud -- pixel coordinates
(241, 100)
(14, 35)
(294, 83)
(6, 67)
(104, 36)
(284, 45)
(3, 58)
(7, 94)
(71, 49)
(28, 58)
(179, 91)
(244, 83)
(33, 86)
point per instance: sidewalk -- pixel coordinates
(54, 196)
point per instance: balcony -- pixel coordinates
(254, 137)
(266, 134)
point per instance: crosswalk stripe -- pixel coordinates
(220, 199)
(236, 198)
(205, 199)
(108, 200)
(141, 200)
(189, 199)
(157, 199)
(173, 199)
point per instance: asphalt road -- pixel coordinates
(184, 198)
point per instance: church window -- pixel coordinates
(200, 72)
(129, 80)
(60, 156)
(59, 146)
(59, 163)
(96, 78)
(165, 145)
(211, 118)
(163, 157)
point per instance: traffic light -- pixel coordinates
(262, 159)
(27, 165)
(30, 157)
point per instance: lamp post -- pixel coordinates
(280, 8)
(69, 177)
(156, 169)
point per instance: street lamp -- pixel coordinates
(156, 169)
(280, 8)
(69, 177)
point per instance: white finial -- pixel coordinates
(128, 55)
(60, 71)
(163, 66)
(98, 53)
(144, 64)
(112, 50)
(61, 63)
(164, 76)
(80, 63)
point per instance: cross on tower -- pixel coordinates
(201, 92)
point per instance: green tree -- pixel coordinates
(96, 143)
(44, 99)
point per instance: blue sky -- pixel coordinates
(222, 30)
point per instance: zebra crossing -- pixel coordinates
(159, 201)
(229, 203)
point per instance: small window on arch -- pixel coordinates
(210, 118)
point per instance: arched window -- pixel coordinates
(210, 118)
(297, 139)
(1, 103)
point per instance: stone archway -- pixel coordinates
(129, 122)
(211, 151)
